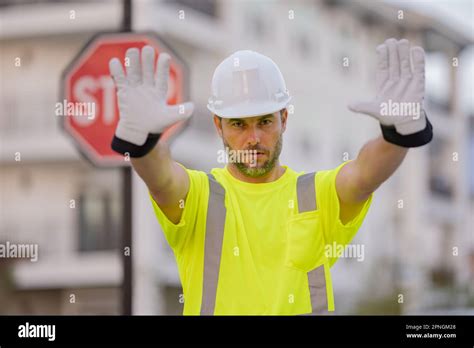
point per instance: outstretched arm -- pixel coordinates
(376, 162)
(398, 106)
(144, 116)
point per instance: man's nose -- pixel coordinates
(253, 137)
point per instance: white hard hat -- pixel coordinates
(247, 84)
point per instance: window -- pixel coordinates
(438, 81)
(470, 166)
(304, 46)
(98, 221)
(208, 7)
(440, 180)
(442, 275)
(173, 299)
(256, 25)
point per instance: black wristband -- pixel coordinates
(122, 146)
(420, 138)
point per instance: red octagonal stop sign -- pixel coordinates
(88, 105)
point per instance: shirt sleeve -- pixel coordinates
(335, 233)
(177, 234)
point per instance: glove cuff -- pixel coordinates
(122, 146)
(417, 139)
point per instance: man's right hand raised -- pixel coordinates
(144, 112)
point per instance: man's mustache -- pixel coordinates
(257, 148)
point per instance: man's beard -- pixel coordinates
(255, 170)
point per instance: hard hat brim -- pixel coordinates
(245, 110)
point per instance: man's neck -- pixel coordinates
(272, 175)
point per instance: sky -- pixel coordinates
(458, 14)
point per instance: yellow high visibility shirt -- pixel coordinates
(268, 246)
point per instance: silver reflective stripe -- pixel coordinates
(318, 291)
(306, 193)
(215, 223)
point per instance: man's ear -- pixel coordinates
(284, 118)
(218, 124)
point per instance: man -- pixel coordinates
(250, 238)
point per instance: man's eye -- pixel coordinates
(267, 121)
(237, 124)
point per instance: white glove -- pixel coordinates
(142, 96)
(400, 84)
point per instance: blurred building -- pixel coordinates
(326, 51)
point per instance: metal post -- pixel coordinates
(127, 202)
(127, 15)
(127, 241)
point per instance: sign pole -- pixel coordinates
(92, 135)
(127, 202)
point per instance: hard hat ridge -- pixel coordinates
(247, 84)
